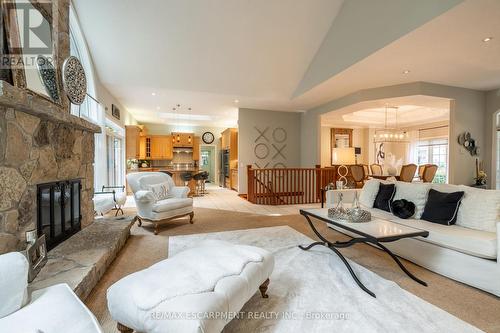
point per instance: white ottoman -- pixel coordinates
(197, 290)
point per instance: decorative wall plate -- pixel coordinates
(74, 80)
(48, 76)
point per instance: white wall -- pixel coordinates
(490, 149)
(467, 113)
(248, 121)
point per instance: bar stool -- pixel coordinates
(186, 177)
(204, 176)
(198, 177)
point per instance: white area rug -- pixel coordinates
(313, 292)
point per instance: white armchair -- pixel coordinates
(51, 310)
(159, 211)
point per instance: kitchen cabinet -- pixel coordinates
(142, 147)
(183, 139)
(161, 147)
(145, 147)
(230, 142)
(196, 148)
(132, 142)
(234, 179)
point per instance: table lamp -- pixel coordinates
(341, 157)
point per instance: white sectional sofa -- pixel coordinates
(54, 309)
(467, 251)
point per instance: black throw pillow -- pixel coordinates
(384, 197)
(403, 209)
(442, 207)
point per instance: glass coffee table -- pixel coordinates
(375, 232)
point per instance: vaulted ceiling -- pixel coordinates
(285, 55)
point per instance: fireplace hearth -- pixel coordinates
(58, 210)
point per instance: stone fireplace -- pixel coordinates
(40, 143)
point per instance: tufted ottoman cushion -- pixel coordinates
(197, 290)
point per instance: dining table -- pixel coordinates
(383, 177)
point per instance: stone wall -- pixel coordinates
(35, 150)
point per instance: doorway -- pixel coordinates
(207, 161)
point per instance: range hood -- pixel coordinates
(187, 150)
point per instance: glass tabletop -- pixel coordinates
(377, 228)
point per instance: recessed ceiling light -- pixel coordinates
(487, 39)
(236, 101)
(153, 94)
(406, 71)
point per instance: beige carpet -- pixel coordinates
(143, 249)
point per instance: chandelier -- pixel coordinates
(391, 134)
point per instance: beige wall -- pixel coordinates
(166, 129)
(359, 139)
(107, 99)
(467, 113)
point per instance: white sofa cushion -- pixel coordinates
(473, 242)
(172, 204)
(54, 309)
(414, 192)
(13, 282)
(369, 193)
(480, 209)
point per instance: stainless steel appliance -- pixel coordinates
(225, 167)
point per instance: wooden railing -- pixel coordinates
(287, 186)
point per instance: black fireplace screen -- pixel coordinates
(59, 214)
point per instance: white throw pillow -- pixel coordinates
(480, 209)
(369, 193)
(161, 191)
(414, 192)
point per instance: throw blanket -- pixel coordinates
(193, 271)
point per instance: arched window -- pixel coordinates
(90, 109)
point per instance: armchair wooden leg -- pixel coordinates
(156, 229)
(139, 221)
(263, 289)
(123, 328)
(191, 216)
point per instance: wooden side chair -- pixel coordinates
(429, 173)
(407, 173)
(358, 174)
(366, 170)
(376, 169)
(421, 169)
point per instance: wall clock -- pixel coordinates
(208, 137)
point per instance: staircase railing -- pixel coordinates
(287, 186)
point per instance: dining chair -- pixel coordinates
(366, 170)
(407, 173)
(376, 169)
(429, 173)
(358, 174)
(421, 169)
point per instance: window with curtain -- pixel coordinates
(115, 158)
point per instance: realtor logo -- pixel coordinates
(28, 32)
